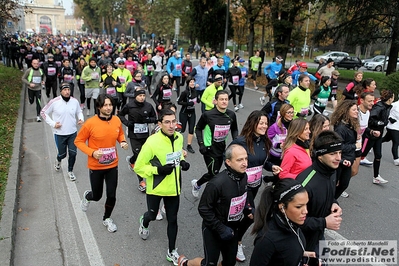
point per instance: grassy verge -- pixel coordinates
(349, 74)
(10, 91)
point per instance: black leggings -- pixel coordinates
(177, 79)
(318, 109)
(344, 175)
(213, 165)
(233, 90)
(97, 178)
(149, 79)
(246, 222)
(393, 135)
(38, 95)
(190, 118)
(82, 92)
(213, 246)
(376, 144)
(51, 86)
(136, 145)
(171, 208)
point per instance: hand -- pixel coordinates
(376, 133)
(249, 211)
(97, 154)
(358, 145)
(336, 209)
(227, 234)
(80, 122)
(124, 145)
(184, 165)
(203, 149)
(159, 107)
(166, 169)
(171, 75)
(32, 85)
(276, 169)
(101, 84)
(197, 85)
(114, 83)
(57, 125)
(333, 221)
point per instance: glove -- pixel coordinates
(166, 169)
(190, 103)
(184, 165)
(227, 234)
(203, 149)
(300, 115)
(248, 210)
(392, 120)
(310, 112)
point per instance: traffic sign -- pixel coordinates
(152, 35)
(115, 30)
(9, 24)
(132, 21)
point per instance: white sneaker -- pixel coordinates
(163, 209)
(57, 165)
(344, 194)
(262, 100)
(143, 232)
(195, 189)
(84, 203)
(256, 88)
(379, 180)
(396, 162)
(82, 106)
(240, 253)
(173, 256)
(72, 176)
(365, 162)
(38, 119)
(159, 216)
(240, 106)
(88, 112)
(236, 108)
(110, 225)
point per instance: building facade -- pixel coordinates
(46, 16)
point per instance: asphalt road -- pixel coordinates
(52, 229)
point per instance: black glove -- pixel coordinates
(184, 165)
(300, 115)
(392, 120)
(190, 103)
(248, 210)
(310, 112)
(203, 149)
(166, 169)
(227, 234)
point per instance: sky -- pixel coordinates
(68, 5)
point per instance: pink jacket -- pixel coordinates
(295, 160)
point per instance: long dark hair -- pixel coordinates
(248, 131)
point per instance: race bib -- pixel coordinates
(58, 63)
(81, 81)
(178, 67)
(122, 79)
(194, 101)
(36, 79)
(150, 68)
(129, 67)
(65, 57)
(243, 74)
(333, 91)
(188, 70)
(94, 76)
(167, 94)
(322, 101)
(109, 155)
(111, 91)
(29, 56)
(237, 206)
(140, 128)
(220, 133)
(304, 111)
(235, 79)
(51, 71)
(67, 78)
(22, 51)
(254, 176)
(173, 158)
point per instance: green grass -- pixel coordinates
(10, 91)
(349, 74)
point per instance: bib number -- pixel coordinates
(237, 205)
(140, 128)
(109, 155)
(111, 91)
(173, 158)
(254, 176)
(220, 133)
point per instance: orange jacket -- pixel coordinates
(100, 134)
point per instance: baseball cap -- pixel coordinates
(303, 64)
(227, 51)
(335, 72)
(241, 60)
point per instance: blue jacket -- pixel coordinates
(272, 70)
(297, 73)
(226, 62)
(174, 66)
(201, 76)
(244, 75)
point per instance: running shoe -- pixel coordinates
(142, 186)
(344, 194)
(240, 253)
(143, 232)
(88, 112)
(72, 176)
(396, 162)
(57, 165)
(256, 88)
(159, 216)
(365, 162)
(130, 165)
(195, 189)
(109, 223)
(173, 257)
(379, 180)
(240, 106)
(38, 119)
(190, 149)
(84, 203)
(236, 108)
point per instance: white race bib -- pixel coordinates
(140, 128)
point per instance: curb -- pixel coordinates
(9, 212)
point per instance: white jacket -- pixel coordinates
(394, 113)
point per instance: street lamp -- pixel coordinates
(306, 34)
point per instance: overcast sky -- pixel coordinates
(68, 5)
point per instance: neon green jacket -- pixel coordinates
(124, 77)
(159, 150)
(208, 96)
(92, 77)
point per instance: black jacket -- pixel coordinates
(233, 72)
(279, 245)
(379, 115)
(214, 206)
(138, 113)
(272, 112)
(51, 70)
(187, 96)
(321, 192)
(349, 136)
(162, 94)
